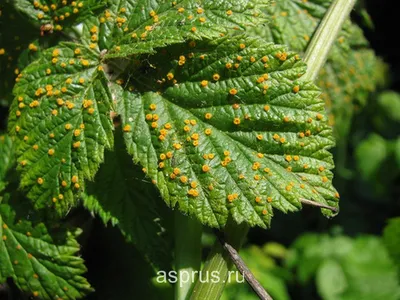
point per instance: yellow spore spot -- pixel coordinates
(193, 192)
(208, 116)
(177, 146)
(204, 83)
(242, 46)
(153, 106)
(51, 152)
(40, 180)
(233, 91)
(266, 107)
(205, 168)
(183, 179)
(208, 131)
(236, 121)
(232, 197)
(127, 128)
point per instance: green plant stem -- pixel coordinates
(326, 34)
(219, 261)
(187, 254)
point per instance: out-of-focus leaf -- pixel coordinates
(370, 154)
(331, 280)
(389, 102)
(391, 238)
(361, 267)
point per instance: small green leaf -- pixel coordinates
(331, 280)
(346, 268)
(391, 238)
(60, 119)
(389, 101)
(123, 196)
(40, 264)
(370, 154)
(237, 133)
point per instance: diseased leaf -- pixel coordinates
(54, 15)
(36, 262)
(123, 196)
(61, 123)
(136, 27)
(41, 260)
(351, 72)
(231, 131)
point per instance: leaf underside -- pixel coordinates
(121, 195)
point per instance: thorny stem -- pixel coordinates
(326, 34)
(187, 254)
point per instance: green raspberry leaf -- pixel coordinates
(134, 27)
(61, 123)
(42, 260)
(40, 264)
(123, 196)
(352, 70)
(54, 15)
(230, 131)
